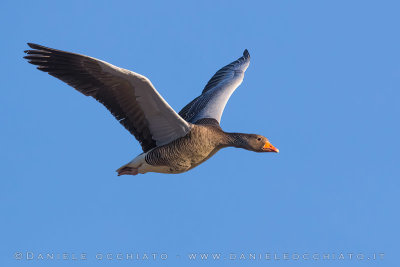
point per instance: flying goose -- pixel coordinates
(171, 142)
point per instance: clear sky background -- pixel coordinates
(323, 86)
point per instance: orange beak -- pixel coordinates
(268, 147)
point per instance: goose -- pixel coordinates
(171, 142)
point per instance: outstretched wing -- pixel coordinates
(211, 103)
(129, 96)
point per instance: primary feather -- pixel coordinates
(129, 96)
(212, 101)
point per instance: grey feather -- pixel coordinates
(129, 96)
(211, 103)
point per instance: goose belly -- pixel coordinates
(176, 161)
(170, 165)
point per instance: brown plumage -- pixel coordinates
(171, 144)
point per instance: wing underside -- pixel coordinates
(129, 96)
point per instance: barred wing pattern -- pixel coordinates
(212, 101)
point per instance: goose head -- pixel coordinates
(253, 142)
(258, 143)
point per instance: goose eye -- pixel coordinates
(259, 139)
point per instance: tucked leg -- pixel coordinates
(127, 171)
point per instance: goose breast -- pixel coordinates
(187, 152)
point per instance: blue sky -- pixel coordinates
(323, 86)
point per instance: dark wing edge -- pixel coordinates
(86, 75)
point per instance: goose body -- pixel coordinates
(171, 142)
(181, 155)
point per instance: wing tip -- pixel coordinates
(40, 47)
(246, 53)
(32, 45)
